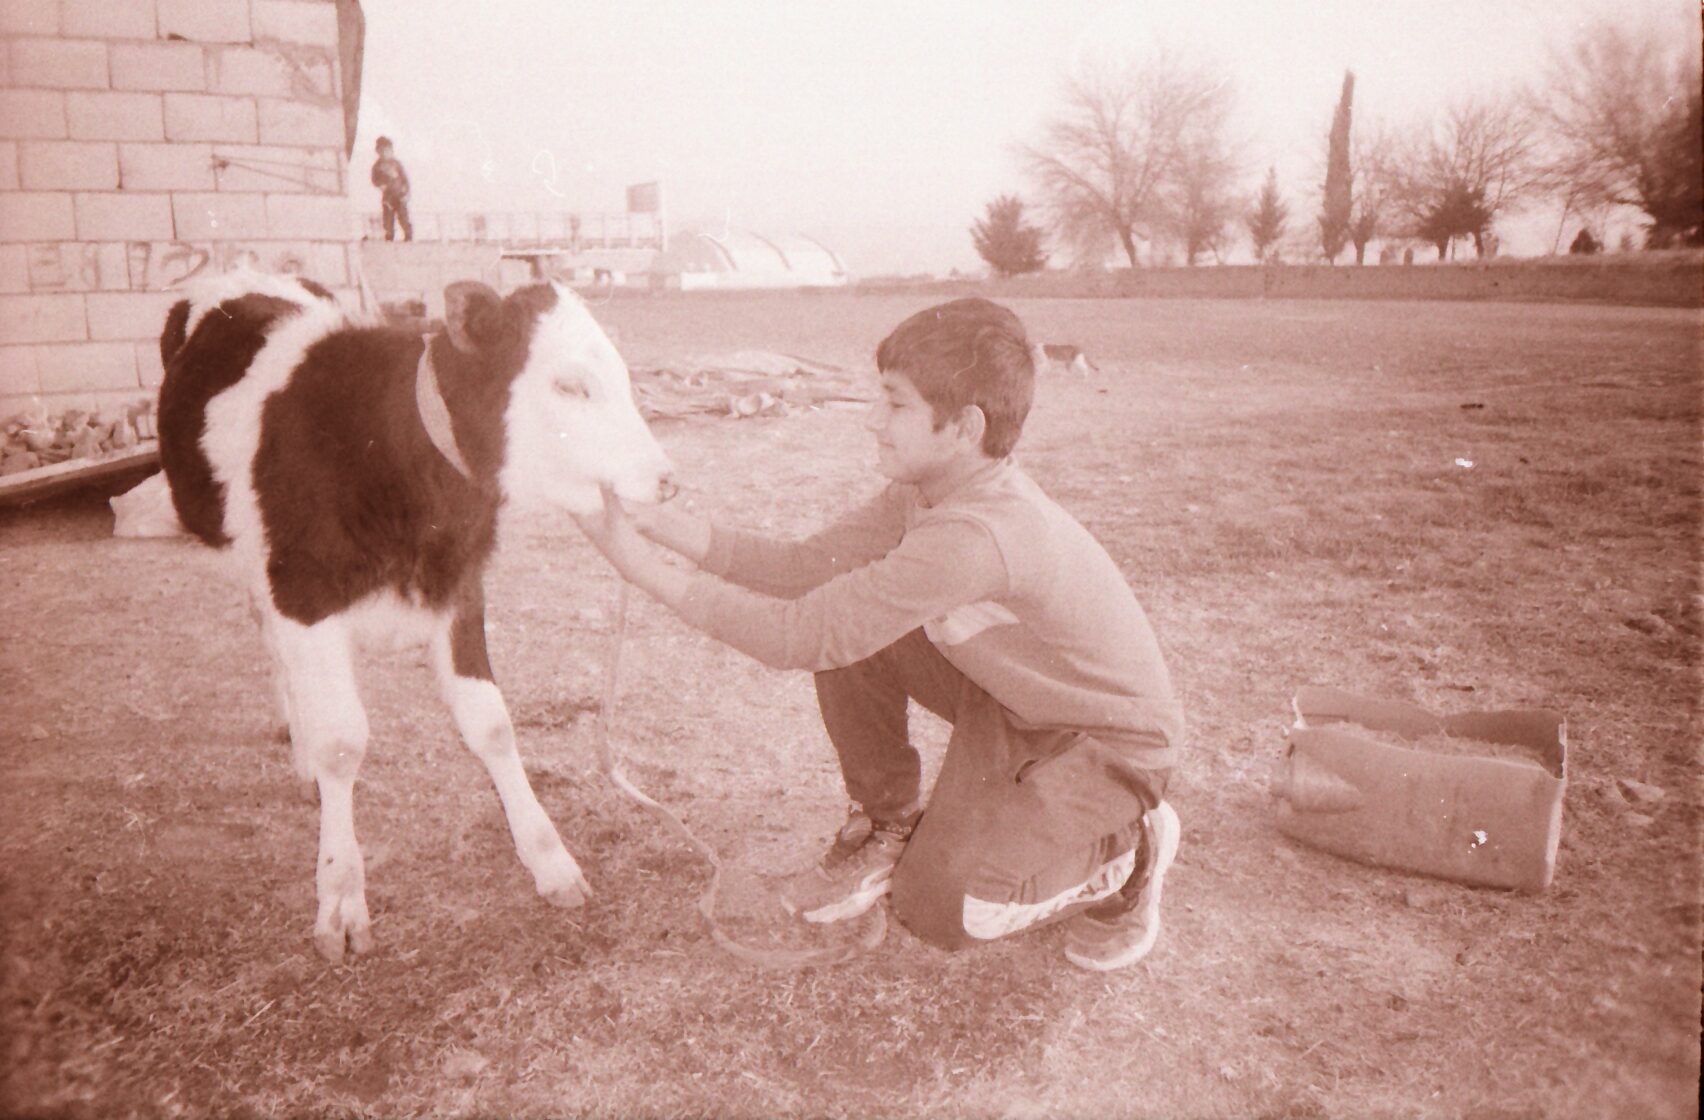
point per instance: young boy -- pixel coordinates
(392, 182)
(965, 588)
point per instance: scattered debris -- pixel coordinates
(33, 438)
(1639, 793)
(463, 1064)
(744, 384)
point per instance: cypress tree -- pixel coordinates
(1335, 213)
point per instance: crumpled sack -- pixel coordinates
(145, 510)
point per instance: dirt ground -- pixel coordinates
(1462, 505)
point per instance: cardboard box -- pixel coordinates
(1347, 785)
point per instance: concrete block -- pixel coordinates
(88, 367)
(159, 67)
(29, 17)
(296, 21)
(19, 378)
(317, 217)
(31, 216)
(123, 216)
(251, 70)
(220, 217)
(68, 165)
(301, 124)
(59, 63)
(166, 167)
(8, 165)
(328, 262)
(191, 116)
(149, 370)
(249, 167)
(108, 19)
(127, 315)
(76, 266)
(42, 318)
(115, 116)
(32, 114)
(205, 21)
(14, 269)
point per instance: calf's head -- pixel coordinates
(570, 425)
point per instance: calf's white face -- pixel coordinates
(572, 424)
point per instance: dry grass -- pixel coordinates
(1280, 483)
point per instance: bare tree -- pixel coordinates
(1452, 179)
(1105, 161)
(1370, 165)
(1622, 110)
(1200, 196)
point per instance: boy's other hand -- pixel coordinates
(611, 529)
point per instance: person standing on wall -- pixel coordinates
(392, 182)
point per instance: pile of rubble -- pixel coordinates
(35, 438)
(744, 384)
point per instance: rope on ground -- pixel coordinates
(773, 958)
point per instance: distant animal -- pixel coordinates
(1064, 356)
(354, 475)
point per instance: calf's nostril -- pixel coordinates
(666, 488)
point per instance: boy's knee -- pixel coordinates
(929, 901)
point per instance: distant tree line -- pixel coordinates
(1144, 154)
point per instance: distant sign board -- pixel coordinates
(645, 198)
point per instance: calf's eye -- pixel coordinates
(574, 389)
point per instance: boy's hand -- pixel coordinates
(612, 530)
(615, 535)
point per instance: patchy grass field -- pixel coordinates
(1280, 483)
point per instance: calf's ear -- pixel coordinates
(473, 315)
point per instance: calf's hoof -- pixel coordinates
(569, 895)
(331, 942)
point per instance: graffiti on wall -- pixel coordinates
(155, 266)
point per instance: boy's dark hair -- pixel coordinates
(968, 351)
(383, 142)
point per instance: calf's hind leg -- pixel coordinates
(464, 676)
(328, 731)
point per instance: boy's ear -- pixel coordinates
(972, 423)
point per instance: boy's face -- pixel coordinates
(908, 448)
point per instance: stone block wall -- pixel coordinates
(142, 143)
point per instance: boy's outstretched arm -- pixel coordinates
(674, 528)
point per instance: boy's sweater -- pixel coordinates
(1011, 588)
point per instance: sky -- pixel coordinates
(884, 127)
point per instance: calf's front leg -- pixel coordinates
(464, 676)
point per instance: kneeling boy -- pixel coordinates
(964, 587)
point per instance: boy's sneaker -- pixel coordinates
(1120, 931)
(857, 870)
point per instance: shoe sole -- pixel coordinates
(1169, 832)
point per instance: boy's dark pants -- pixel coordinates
(394, 210)
(1023, 827)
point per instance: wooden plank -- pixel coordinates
(73, 474)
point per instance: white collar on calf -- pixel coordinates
(434, 413)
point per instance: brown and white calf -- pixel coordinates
(354, 474)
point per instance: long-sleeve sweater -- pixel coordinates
(1011, 588)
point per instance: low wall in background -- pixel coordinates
(1667, 279)
(400, 272)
